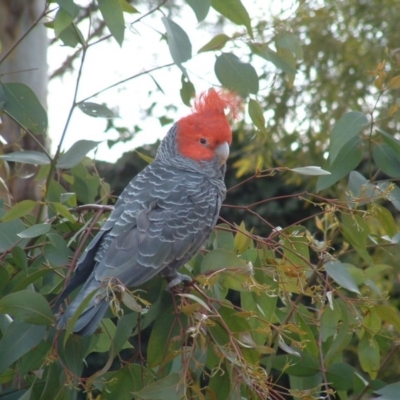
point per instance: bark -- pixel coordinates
(26, 64)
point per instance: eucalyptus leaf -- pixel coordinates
(345, 129)
(169, 387)
(96, 110)
(35, 231)
(200, 8)
(22, 105)
(76, 153)
(216, 43)
(256, 115)
(21, 209)
(311, 170)
(264, 51)
(113, 15)
(338, 272)
(178, 42)
(347, 160)
(27, 306)
(17, 340)
(27, 157)
(236, 75)
(389, 392)
(235, 11)
(387, 160)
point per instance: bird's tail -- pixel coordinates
(92, 315)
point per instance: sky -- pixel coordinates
(107, 63)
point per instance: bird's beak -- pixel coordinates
(222, 153)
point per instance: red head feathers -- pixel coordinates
(200, 133)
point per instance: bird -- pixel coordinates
(165, 214)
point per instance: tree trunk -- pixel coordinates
(26, 64)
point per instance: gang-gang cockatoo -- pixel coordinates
(163, 216)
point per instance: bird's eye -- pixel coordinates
(203, 141)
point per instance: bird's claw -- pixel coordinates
(177, 280)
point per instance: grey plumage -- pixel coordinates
(160, 221)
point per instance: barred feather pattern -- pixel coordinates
(160, 221)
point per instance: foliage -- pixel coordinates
(308, 301)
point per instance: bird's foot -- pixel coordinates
(176, 280)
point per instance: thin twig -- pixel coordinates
(125, 80)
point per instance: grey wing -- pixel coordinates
(165, 234)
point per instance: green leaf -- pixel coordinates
(178, 42)
(187, 91)
(219, 259)
(161, 344)
(96, 110)
(27, 306)
(224, 239)
(144, 157)
(34, 360)
(291, 42)
(31, 277)
(200, 8)
(63, 211)
(394, 195)
(71, 36)
(356, 232)
(387, 160)
(256, 115)
(17, 340)
(129, 378)
(62, 20)
(305, 365)
(235, 12)
(104, 340)
(389, 392)
(311, 170)
(340, 375)
(307, 335)
(124, 329)
(263, 306)
(216, 43)
(7, 376)
(236, 75)
(20, 258)
(22, 105)
(69, 6)
(113, 15)
(368, 354)
(389, 315)
(390, 140)
(263, 50)
(196, 299)
(329, 323)
(27, 157)
(296, 250)
(348, 127)
(342, 338)
(76, 153)
(347, 160)
(338, 272)
(360, 190)
(9, 234)
(128, 7)
(35, 231)
(74, 352)
(19, 210)
(169, 388)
